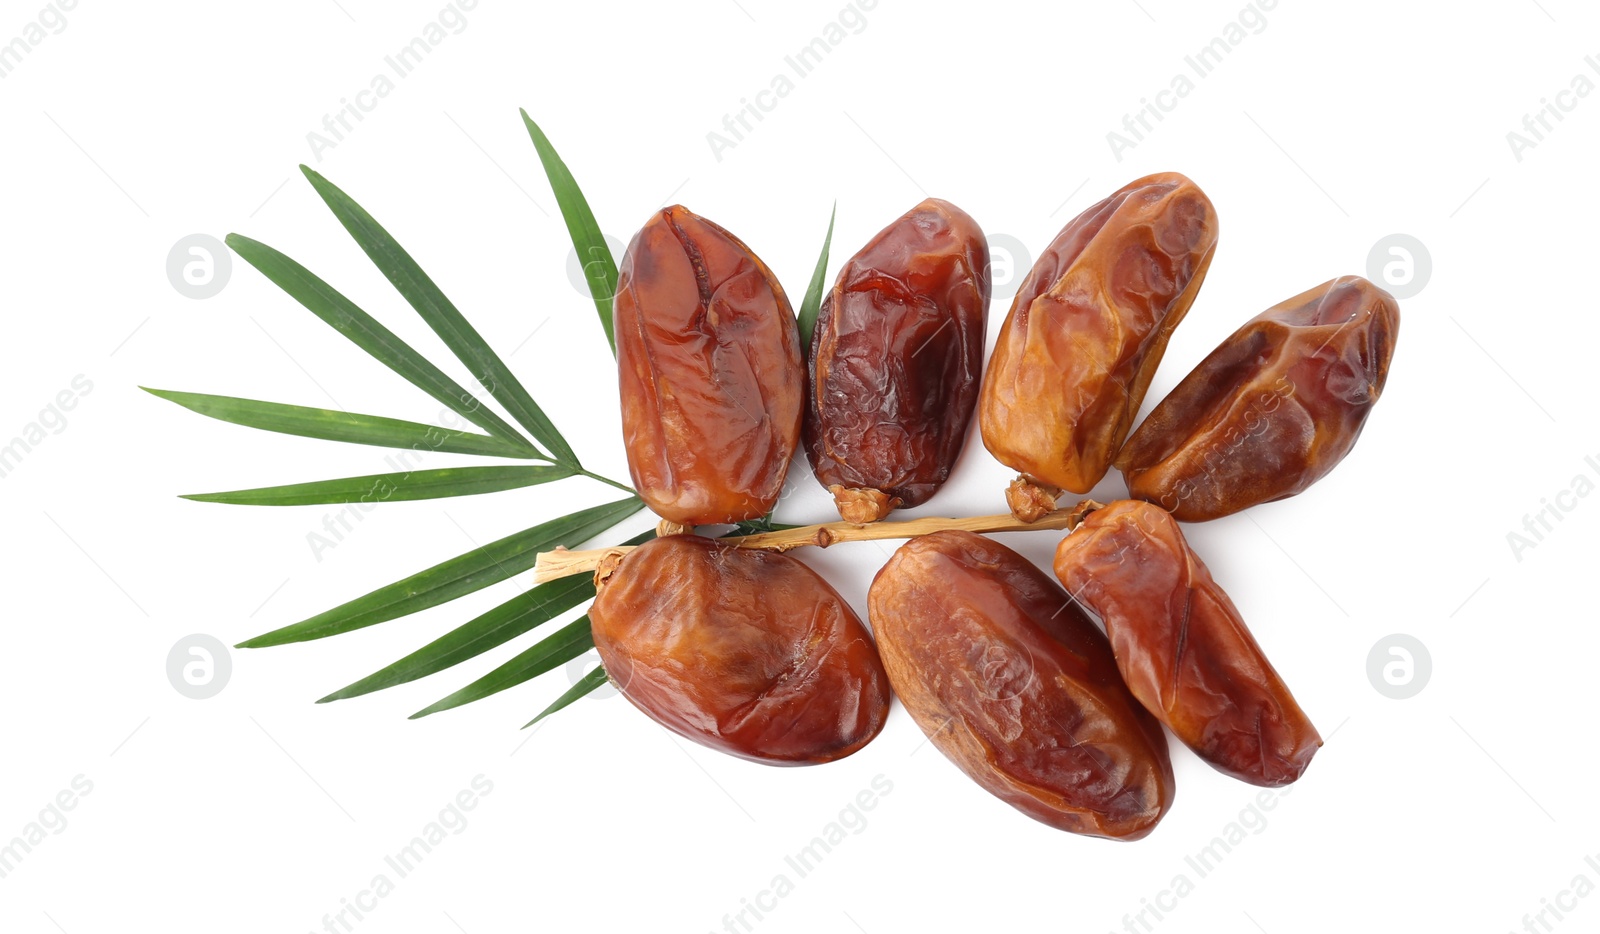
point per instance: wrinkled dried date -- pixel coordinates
(895, 362)
(1181, 645)
(1088, 327)
(1274, 408)
(710, 374)
(748, 652)
(1012, 682)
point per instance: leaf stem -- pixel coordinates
(552, 565)
(606, 480)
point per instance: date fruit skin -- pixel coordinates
(1181, 645)
(1274, 408)
(748, 652)
(708, 358)
(1017, 687)
(896, 359)
(1088, 327)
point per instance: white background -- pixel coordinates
(1461, 809)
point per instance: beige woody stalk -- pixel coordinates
(552, 565)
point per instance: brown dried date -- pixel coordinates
(1274, 408)
(1181, 645)
(749, 652)
(1087, 329)
(1016, 686)
(895, 362)
(710, 374)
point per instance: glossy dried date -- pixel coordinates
(1181, 645)
(1271, 410)
(710, 374)
(1012, 682)
(748, 652)
(895, 362)
(1088, 327)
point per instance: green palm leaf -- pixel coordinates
(322, 300)
(457, 577)
(560, 647)
(599, 269)
(391, 487)
(494, 628)
(331, 425)
(813, 300)
(441, 314)
(585, 685)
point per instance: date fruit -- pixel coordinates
(710, 375)
(1271, 410)
(1087, 329)
(749, 652)
(1017, 687)
(1181, 645)
(896, 359)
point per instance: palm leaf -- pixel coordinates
(585, 685)
(441, 314)
(457, 577)
(813, 300)
(322, 300)
(391, 487)
(560, 647)
(331, 425)
(599, 269)
(494, 628)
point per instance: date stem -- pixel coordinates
(553, 565)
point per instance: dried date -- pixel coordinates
(896, 359)
(1087, 329)
(1274, 408)
(1016, 686)
(709, 369)
(1182, 646)
(745, 651)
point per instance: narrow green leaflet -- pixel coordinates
(758, 526)
(599, 269)
(441, 314)
(494, 628)
(560, 647)
(585, 685)
(457, 577)
(391, 487)
(331, 425)
(322, 300)
(813, 300)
